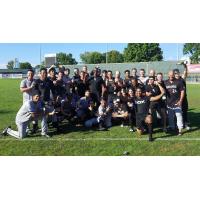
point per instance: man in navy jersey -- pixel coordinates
(175, 92)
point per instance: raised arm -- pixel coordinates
(160, 95)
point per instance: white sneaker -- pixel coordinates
(187, 128)
(131, 130)
(122, 125)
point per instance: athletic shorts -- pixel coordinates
(140, 120)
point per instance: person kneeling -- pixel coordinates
(142, 111)
(120, 112)
(30, 110)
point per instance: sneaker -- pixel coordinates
(131, 130)
(187, 128)
(122, 125)
(180, 133)
(4, 132)
(46, 135)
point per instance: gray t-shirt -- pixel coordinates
(26, 84)
(24, 113)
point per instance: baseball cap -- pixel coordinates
(176, 71)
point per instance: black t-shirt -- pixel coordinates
(183, 82)
(154, 89)
(80, 86)
(45, 87)
(60, 88)
(95, 85)
(142, 105)
(127, 82)
(120, 109)
(110, 86)
(173, 92)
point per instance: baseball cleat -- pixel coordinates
(4, 132)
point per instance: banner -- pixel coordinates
(194, 68)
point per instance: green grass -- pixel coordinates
(80, 141)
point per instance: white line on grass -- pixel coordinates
(103, 139)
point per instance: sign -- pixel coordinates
(194, 68)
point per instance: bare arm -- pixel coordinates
(185, 73)
(160, 95)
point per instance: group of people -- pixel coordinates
(102, 99)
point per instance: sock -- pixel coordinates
(150, 131)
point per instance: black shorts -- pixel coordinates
(140, 120)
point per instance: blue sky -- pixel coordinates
(31, 52)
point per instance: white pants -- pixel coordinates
(172, 113)
(22, 127)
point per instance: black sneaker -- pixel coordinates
(4, 132)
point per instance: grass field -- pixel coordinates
(80, 141)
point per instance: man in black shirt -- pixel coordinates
(45, 86)
(96, 86)
(182, 79)
(175, 92)
(120, 112)
(152, 90)
(141, 104)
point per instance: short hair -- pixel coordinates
(110, 71)
(127, 71)
(134, 69)
(142, 70)
(43, 69)
(31, 70)
(159, 73)
(52, 69)
(104, 71)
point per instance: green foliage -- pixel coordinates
(65, 59)
(115, 57)
(25, 65)
(193, 49)
(143, 52)
(10, 64)
(93, 57)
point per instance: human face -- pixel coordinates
(36, 98)
(127, 74)
(66, 72)
(134, 72)
(177, 75)
(60, 75)
(85, 68)
(103, 103)
(130, 92)
(152, 72)
(171, 75)
(30, 75)
(142, 73)
(43, 74)
(110, 75)
(138, 93)
(151, 81)
(134, 82)
(159, 77)
(87, 94)
(117, 74)
(52, 73)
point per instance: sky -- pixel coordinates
(30, 52)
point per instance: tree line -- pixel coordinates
(134, 52)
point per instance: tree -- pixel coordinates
(193, 49)
(10, 64)
(25, 65)
(93, 57)
(143, 52)
(65, 59)
(115, 57)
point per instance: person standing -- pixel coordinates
(175, 92)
